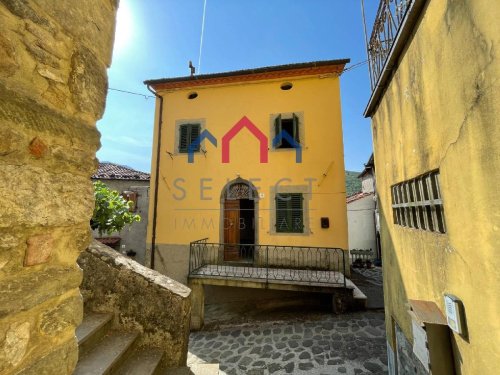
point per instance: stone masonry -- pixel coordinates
(139, 298)
(53, 82)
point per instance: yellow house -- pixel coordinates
(249, 161)
(435, 108)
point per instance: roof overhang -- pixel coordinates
(258, 74)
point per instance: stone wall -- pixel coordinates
(53, 83)
(140, 299)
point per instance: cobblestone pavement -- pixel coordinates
(313, 344)
(372, 275)
(370, 282)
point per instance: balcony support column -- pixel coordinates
(197, 305)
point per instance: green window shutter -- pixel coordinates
(277, 130)
(289, 213)
(195, 133)
(282, 213)
(183, 138)
(187, 134)
(297, 213)
(296, 128)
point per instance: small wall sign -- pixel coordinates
(454, 313)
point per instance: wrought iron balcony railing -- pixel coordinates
(389, 18)
(268, 263)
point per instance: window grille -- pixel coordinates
(417, 203)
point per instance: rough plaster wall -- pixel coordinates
(173, 261)
(441, 110)
(53, 60)
(133, 236)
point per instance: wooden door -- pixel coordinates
(231, 229)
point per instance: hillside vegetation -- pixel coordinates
(352, 182)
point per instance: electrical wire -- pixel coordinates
(357, 65)
(145, 96)
(201, 36)
(131, 93)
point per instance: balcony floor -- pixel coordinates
(324, 279)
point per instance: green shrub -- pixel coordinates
(112, 211)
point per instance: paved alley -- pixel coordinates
(318, 343)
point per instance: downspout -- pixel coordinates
(157, 177)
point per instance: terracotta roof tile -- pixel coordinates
(110, 171)
(357, 196)
(257, 73)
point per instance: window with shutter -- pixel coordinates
(277, 130)
(295, 134)
(289, 213)
(291, 126)
(187, 134)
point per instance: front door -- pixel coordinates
(231, 229)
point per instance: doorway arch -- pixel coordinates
(239, 208)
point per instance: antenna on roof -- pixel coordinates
(192, 68)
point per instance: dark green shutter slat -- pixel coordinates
(183, 138)
(289, 213)
(187, 134)
(296, 128)
(282, 222)
(297, 213)
(195, 133)
(277, 130)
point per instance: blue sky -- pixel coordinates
(157, 38)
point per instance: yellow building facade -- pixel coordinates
(437, 156)
(242, 112)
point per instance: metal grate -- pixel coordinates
(390, 16)
(268, 262)
(417, 203)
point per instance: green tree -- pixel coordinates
(112, 211)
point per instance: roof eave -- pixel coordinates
(279, 71)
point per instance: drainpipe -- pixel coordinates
(157, 177)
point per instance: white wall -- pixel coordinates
(361, 223)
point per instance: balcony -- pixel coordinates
(390, 16)
(295, 268)
(269, 264)
(393, 25)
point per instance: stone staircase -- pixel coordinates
(105, 350)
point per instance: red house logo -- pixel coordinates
(244, 123)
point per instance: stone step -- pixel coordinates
(93, 328)
(107, 354)
(358, 296)
(195, 369)
(141, 362)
